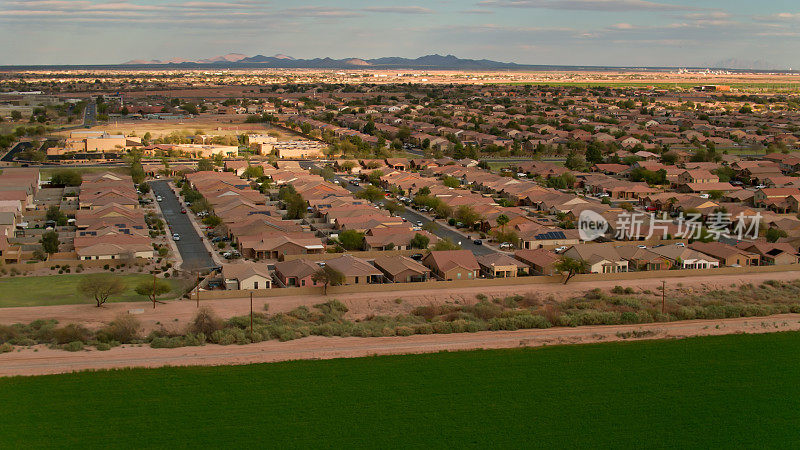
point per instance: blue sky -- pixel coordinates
(573, 32)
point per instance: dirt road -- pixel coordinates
(174, 315)
(41, 360)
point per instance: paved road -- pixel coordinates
(21, 146)
(90, 113)
(441, 231)
(193, 251)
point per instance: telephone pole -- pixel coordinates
(663, 297)
(251, 314)
(197, 290)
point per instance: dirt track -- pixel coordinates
(47, 361)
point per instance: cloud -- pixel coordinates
(588, 5)
(400, 9)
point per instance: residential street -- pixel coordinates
(441, 231)
(193, 251)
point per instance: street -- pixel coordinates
(441, 231)
(193, 251)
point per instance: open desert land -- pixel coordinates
(222, 125)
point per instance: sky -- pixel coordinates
(676, 33)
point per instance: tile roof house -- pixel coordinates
(296, 273)
(500, 265)
(602, 258)
(452, 264)
(540, 261)
(356, 270)
(246, 275)
(401, 269)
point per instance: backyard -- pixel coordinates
(62, 290)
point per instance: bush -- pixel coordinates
(205, 322)
(229, 336)
(102, 346)
(70, 334)
(167, 342)
(6, 347)
(124, 328)
(74, 346)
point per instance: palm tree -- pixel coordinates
(502, 220)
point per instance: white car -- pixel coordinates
(560, 249)
(159, 198)
(176, 237)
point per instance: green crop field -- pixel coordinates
(62, 290)
(736, 390)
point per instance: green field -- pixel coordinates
(729, 391)
(62, 290)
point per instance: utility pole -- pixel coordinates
(251, 314)
(197, 290)
(663, 297)
(154, 290)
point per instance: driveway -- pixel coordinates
(191, 247)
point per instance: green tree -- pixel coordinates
(55, 214)
(502, 220)
(100, 287)
(451, 182)
(420, 241)
(66, 177)
(446, 244)
(571, 266)
(50, 242)
(153, 289)
(467, 215)
(328, 276)
(205, 165)
(371, 193)
(351, 240)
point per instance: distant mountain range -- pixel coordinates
(234, 60)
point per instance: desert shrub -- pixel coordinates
(102, 346)
(229, 336)
(124, 328)
(481, 297)
(618, 290)
(486, 310)
(404, 331)
(629, 317)
(595, 294)
(424, 328)
(332, 309)
(74, 346)
(8, 333)
(71, 333)
(300, 313)
(205, 322)
(442, 327)
(167, 342)
(5, 347)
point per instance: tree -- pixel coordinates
(50, 242)
(446, 244)
(420, 241)
(66, 177)
(54, 214)
(393, 207)
(430, 227)
(144, 188)
(153, 289)
(100, 287)
(773, 234)
(467, 215)
(328, 276)
(451, 182)
(205, 165)
(502, 220)
(371, 193)
(571, 266)
(351, 240)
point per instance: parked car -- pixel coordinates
(560, 249)
(477, 242)
(176, 237)
(416, 256)
(159, 198)
(506, 246)
(183, 210)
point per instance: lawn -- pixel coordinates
(728, 391)
(61, 290)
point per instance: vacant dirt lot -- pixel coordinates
(41, 360)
